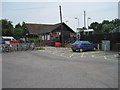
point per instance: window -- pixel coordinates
(42, 37)
(85, 43)
(58, 33)
(5, 39)
(76, 43)
(48, 37)
(45, 37)
(13, 40)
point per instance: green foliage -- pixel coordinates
(105, 22)
(40, 48)
(105, 27)
(7, 27)
(94, 25)
(9, 30)
(18, 31)
(35, 40)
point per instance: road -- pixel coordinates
(55, 69)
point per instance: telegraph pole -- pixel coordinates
(60, 14)
(62, 38)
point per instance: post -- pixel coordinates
(61, 26)
(98, 47)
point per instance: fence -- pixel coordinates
(97, 39)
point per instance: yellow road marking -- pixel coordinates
(69, 50)
(93, 54)
(82, 54)
(53, 53)
(71, 55)
(62, 54)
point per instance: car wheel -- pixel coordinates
(81, 50)
(73, 50)
(94, 49)
(119, 53)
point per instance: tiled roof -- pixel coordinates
(40, 28)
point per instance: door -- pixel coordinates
(84, 45)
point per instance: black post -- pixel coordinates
(60, 14)
(61, 26)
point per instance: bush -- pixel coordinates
(35, 40)
(40, 48)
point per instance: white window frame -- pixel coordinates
(48, 37)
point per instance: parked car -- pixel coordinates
(119, 52)
(82, 46)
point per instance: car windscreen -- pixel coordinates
(13, 40)
(85, 43)
(76, 43)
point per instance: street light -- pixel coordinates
(77, 33)
(66, 21)
(78, 21)
(88, 21)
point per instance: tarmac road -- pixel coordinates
(39, 69)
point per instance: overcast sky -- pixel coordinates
(48, 12)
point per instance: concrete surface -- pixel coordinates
(42, 69)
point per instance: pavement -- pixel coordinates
(59, 68)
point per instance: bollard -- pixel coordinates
(98, 47)
(105, 47)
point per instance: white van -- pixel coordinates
(8, 38)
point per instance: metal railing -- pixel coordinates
(70, 40)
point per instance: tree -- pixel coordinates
(106, 28)
(96, 26)
(105, 22)
(18, 31)
(7, 27)
(116, 22)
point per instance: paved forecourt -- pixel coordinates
(68, 53)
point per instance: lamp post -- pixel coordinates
(66, 21)
(78, 21)
(88, 21)
(77, 33)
